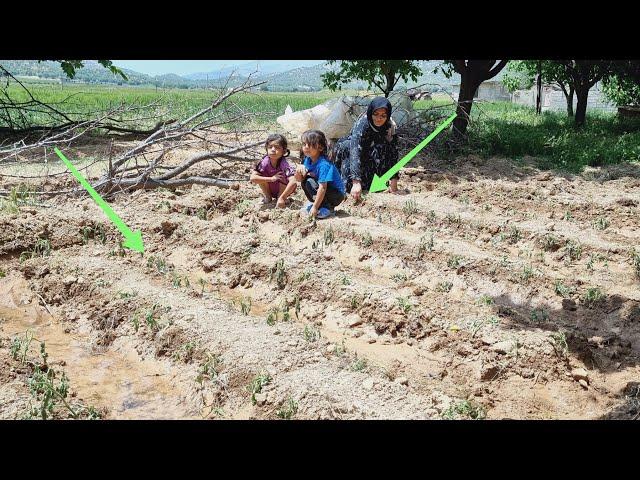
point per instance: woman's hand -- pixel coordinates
(356, 190)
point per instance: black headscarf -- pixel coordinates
(376, 103)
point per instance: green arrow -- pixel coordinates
(380, 183)
(133, 239)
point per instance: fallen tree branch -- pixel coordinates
(141, 167)
(150, 183)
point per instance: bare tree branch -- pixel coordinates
(142, 167)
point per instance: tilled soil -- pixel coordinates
(490, 290)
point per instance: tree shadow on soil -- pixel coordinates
(473, 168)
(604, 336)
(629, 408)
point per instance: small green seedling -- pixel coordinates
(592, 297)
(366, 240)
(256, 385)
(485, 300)
(464, 409)
(279, 273)
(444, 287)
(359, 365)
(288, 410)
(559, 342)
(311, 334)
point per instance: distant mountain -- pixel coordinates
(304, 78)
(255, 68)
(309, 78)
(236, 71)
(298, 79)
(431, 81)
(92, 72)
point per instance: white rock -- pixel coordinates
(209, 264)
(261, 398)
(489, 339)
(402, 380)
(580, 374)
(368, 384)
(502, 347)
(354, 321)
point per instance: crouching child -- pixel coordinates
(319, 178)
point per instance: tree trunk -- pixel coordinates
(390, 77)
(472, 74)
(570, 101)
(582, 93)
(539, 90)
(468, 87)
(568, 96)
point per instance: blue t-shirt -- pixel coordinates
(324, 171)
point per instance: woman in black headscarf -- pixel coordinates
(370, 148)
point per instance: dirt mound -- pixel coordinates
(491, 290)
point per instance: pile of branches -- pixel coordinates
(420, 125)
(143, 166)
(16, 115)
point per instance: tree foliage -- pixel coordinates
(522, 74)
(622, 87)
(516, 77)
(526, 71)
(622, 91)
(71, 66)
(384, 74)
(579, 76)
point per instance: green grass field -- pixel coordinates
(79, 99)
(505, 129)
(498, 128)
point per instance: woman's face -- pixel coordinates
(379, 117)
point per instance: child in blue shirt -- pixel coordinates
(320, 179)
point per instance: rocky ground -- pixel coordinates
(491, 290)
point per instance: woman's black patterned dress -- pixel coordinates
(367, 150)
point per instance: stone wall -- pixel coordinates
(553, 99)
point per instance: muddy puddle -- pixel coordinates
(117, 380)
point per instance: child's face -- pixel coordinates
(311, 151)
(275, 150)
(379, 116)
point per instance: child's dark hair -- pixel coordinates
(316, 139)
(276, 137)
(280, 140)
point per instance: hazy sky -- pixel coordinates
(184, 67)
